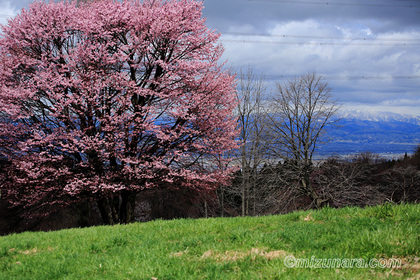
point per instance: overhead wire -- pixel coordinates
(319, 37)
(318, 43)
(328, 40)
(6, 16)
(332, 77)
(276, 77)
(329, 3)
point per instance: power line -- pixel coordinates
(372, 77)
(320, 37)
(341, 77)
(379, 76)
(318, 43)
(337, 3)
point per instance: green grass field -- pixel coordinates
(227, 248)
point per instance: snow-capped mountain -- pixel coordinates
(384, 133)
(379, 116)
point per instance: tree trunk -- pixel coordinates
(206, 214)
(114, 203)
(83, 213)
(307, 187)
(106, 211)
(243, 194)
(128, 203)
(222, 201)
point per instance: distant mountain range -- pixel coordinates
(388, 134)
(379, 116)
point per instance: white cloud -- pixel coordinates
(6, 11)
(364, 67)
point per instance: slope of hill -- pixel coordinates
(383, 133)
(351, 243)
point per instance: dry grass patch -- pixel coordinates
(231, 256)
(409, 265)
(178, 254)
(309, 218)
(33, 251)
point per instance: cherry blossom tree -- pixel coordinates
(103, 99)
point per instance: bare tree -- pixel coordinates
(402, 183)
(350, 182)
(252, 128)
(300, 111)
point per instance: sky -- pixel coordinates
(367, 50)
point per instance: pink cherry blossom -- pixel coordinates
(111, 97)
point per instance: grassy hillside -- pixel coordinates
(225, 248)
